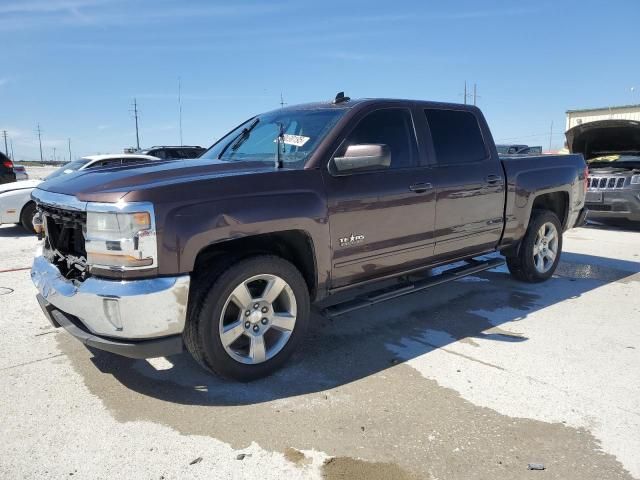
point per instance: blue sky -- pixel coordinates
(74, 66)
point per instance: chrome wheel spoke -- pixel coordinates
(539, 262)
(231, 333)
(273, 289)
(545, 248)
(257, 350)
(261, 332)
(241, 296)
(283, 322)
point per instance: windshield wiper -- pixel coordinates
(239, 139)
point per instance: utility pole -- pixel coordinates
(475, 96)
(282, 102)
(40, 142)
(550, 135)
(135, 115)
(6, 149)
(179, 109)
(54, 154)
(69, 142)
(465, 92)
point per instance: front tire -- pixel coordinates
(248, 321)
(540, 249)
(26, 217)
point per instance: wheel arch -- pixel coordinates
(295, 246)
(556, 202)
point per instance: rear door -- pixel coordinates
(470, 184)
(381, 221)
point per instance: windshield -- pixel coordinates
(68, 168)
(623, 160)
(255, 140)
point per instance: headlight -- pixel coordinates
(635, 179)
(121, 236)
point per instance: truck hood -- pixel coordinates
(595, 139)
(21, 185)
(111, 184)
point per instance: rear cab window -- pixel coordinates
(457, 137)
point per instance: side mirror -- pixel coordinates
(363, 157)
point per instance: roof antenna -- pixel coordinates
(340, 98)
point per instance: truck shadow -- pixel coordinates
(354, 346)
(619, 225)
(14, 231)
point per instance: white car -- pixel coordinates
(16, 205)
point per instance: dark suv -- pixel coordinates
(174, 152)
(7, 175)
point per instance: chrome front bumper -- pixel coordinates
(132, 310)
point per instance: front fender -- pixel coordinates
(278, 201)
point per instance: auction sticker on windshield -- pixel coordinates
(295, 140)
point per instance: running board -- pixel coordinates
(471, 267)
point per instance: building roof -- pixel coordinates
(612, 107)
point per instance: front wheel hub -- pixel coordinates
(258, 318)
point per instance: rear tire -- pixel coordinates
(26, 217)
(228, 334)
(540, 250)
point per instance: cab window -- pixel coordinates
(392, 127)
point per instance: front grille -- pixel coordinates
(64, 216)
(64, 230)
(608, 183)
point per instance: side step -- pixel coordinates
(471, 267)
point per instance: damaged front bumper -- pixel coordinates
(135, 318)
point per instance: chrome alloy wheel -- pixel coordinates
(545, 248)
(258, 319)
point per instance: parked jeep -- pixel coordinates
(612, 150)
(226, 254)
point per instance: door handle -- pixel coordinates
(420, 187)
(493, 179)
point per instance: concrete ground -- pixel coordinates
(474, 379)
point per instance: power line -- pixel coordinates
(135, 115)
(467, 95)
(6, 149)
(40, 142)
(475, 95)
(179, 109)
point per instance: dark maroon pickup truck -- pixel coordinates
(225, 254)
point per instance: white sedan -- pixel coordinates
(16, 205)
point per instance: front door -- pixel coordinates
(381, 221)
